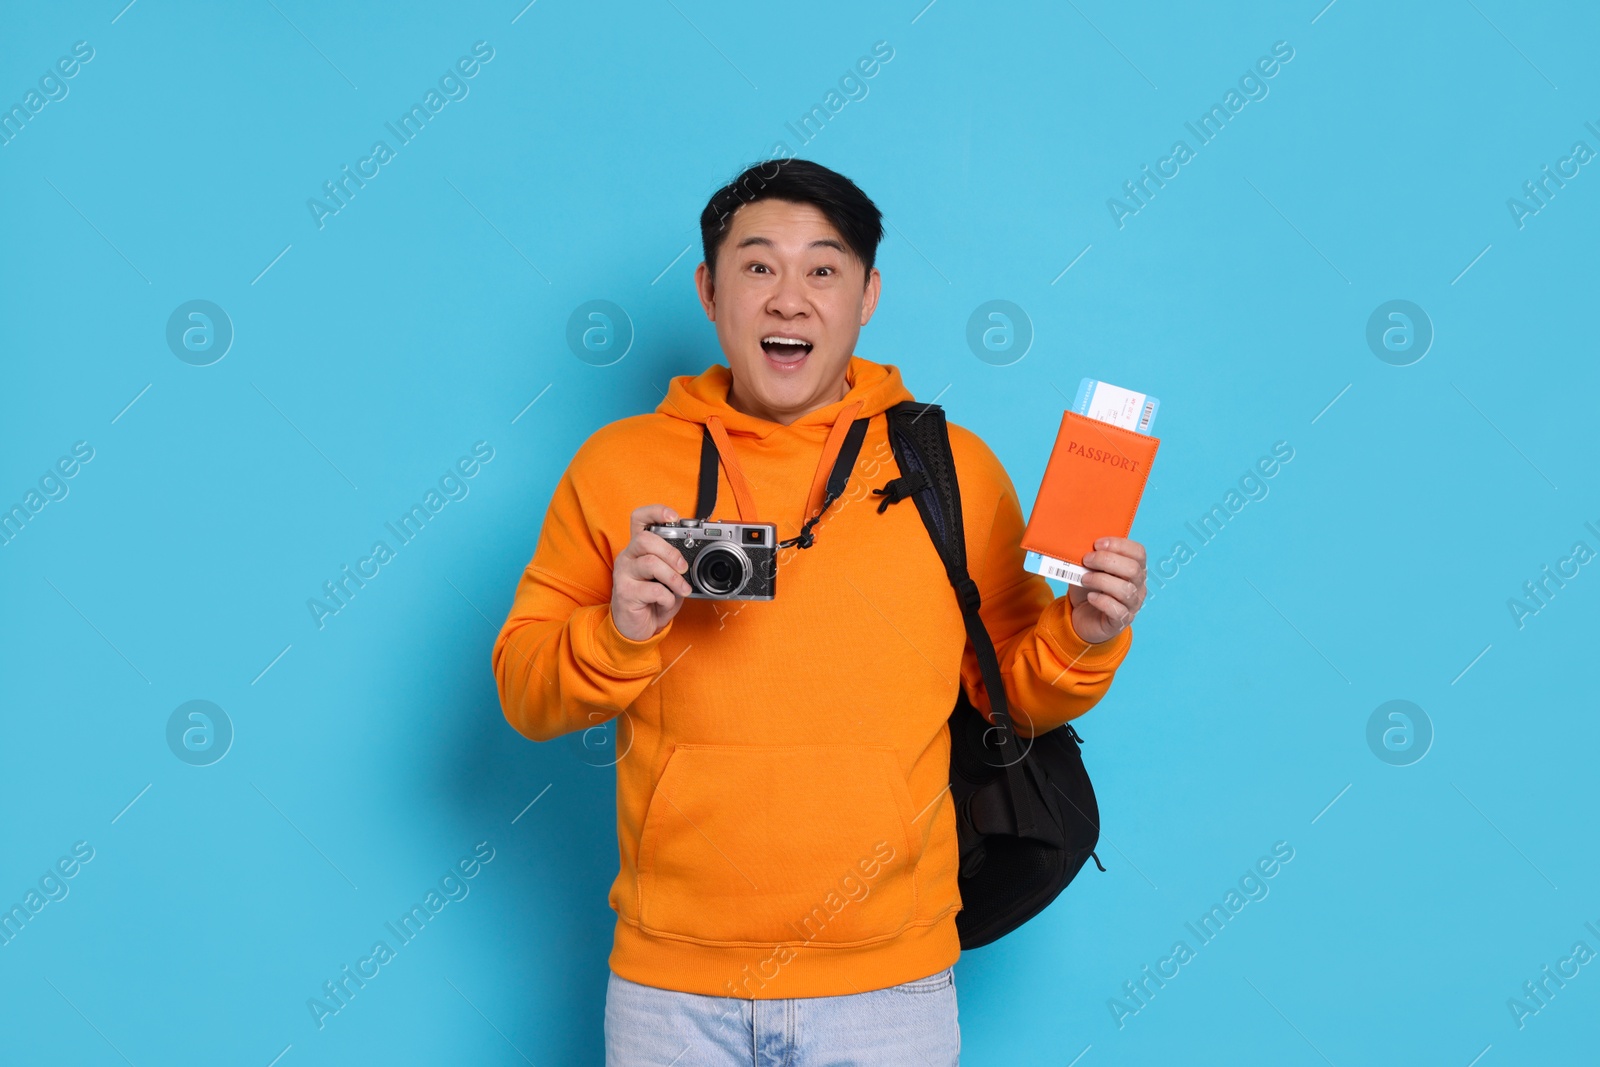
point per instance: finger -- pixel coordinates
(1100, 581)
(1118, 563)
(649, 515)
(1122, 547)
(646, 544)
(657, 595)
(656, 571)
(644, 571)
(1113, 609)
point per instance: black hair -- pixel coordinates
(800, 181)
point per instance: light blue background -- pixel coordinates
(431, 311)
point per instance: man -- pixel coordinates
(787, 837)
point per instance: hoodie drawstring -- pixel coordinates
(741, 488)
(830, 451)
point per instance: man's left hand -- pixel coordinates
(1112, 592)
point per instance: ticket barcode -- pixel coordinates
(1050, 567)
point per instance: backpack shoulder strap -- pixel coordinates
(920, 439)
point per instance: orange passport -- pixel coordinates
(1091, 488)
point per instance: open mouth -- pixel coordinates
(784, 350)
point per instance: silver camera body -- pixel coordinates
(727, 560)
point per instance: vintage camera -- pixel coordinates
(727, 560)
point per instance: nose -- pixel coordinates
(788, 298)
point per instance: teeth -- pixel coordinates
(777, 340)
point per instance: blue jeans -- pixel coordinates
(909, 1025)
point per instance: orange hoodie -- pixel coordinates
(784, 820)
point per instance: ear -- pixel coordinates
(869, 299)
(706, 287)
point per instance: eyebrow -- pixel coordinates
(821, 242)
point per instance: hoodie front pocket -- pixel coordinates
(769, 844)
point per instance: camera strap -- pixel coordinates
(838, 478)
(707, 501)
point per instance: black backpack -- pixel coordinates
(1026, 817)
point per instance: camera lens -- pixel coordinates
(720, 570)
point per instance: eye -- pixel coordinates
(826, 271)
(758, 267)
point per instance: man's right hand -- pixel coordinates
(647, 583)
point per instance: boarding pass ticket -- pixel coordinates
(1117, 406)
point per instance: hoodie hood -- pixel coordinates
(703, 399)
(695, 398)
